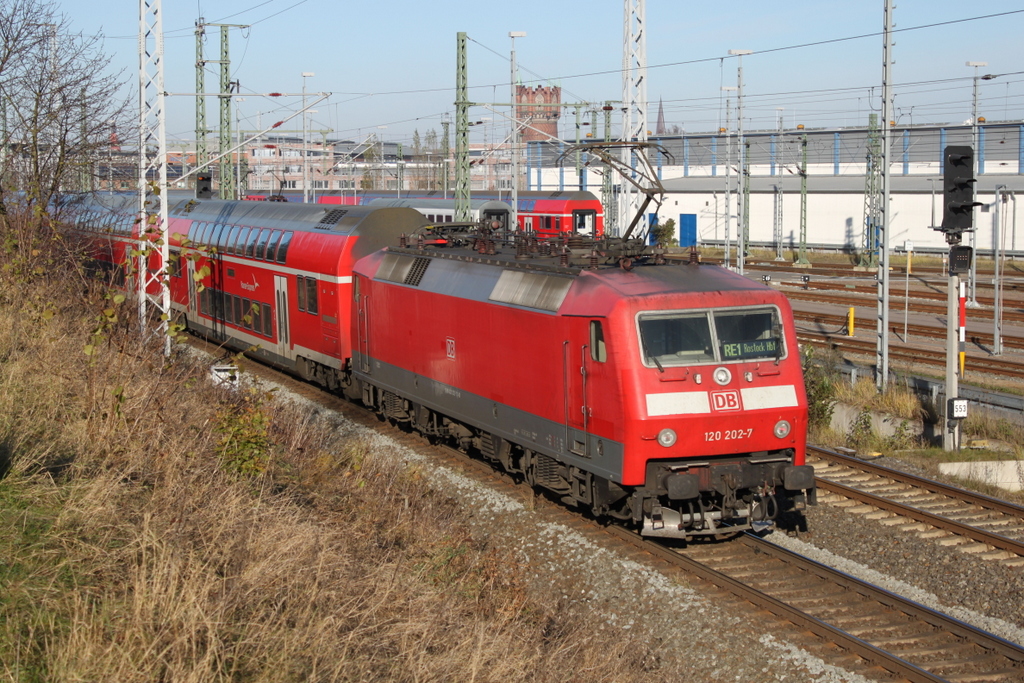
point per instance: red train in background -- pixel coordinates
(546, 213)
(667, 395)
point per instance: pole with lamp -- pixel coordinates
(239, 178)
(305, 139)
(513, 219)
(973, 287)
(741, 207)
(728, 171)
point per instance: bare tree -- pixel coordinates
(58, 104)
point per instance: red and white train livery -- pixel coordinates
(668, 395)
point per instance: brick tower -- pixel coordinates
(542, 118)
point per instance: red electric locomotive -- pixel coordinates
(671, 395)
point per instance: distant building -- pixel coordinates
(539, 108)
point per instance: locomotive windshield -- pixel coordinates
(673, 338)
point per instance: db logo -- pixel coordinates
(449, 345)
(725, 400)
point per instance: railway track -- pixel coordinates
(906, 640)
(834, 270)
(846, 621)
(916, 355)
(1015, 306)
(846, 301)
(985, 527)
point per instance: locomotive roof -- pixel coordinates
(542, 283)
(329, 218)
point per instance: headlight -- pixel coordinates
(667, 437)
(782, 428)
(722, 376)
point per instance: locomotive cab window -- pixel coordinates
(583, 221)
(677, 338)
(598, 350)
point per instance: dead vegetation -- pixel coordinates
(156, 528)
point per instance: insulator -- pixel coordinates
(694, 257)
(575, 241)
(419, 241)
(522, 248)
(563, 258)
(403, 240)
(490, 248)
(593, 258)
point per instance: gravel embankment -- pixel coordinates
(712, 641)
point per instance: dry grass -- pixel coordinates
(896, 400)
(132, 554)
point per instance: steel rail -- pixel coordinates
(866, 651)
(978, 499)
(937, 521)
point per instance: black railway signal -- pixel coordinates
(958, 192)
(204, 186)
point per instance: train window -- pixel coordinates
(239, 245)
(723, 335)
(300, 288)
(236, 309)
(229, 243)
(748, 334)
(250, 242)
(275, 237)
(676, 339)
(174, 263)
(282, 248)
(598, 350)
(215, 236)
(261, 244)
(268, 321)
(246, 314)
(207, 234)
(583, 221)
(254, 311)
(311, 304)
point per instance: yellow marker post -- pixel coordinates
(849, 322)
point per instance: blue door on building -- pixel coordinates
(687, 229)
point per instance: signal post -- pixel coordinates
(957, 218)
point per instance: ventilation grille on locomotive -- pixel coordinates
(406, 270)
(331, 219)
(532, 290)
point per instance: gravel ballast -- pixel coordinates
(694, 632)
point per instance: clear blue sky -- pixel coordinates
(392, 62)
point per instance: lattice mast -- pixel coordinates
(634, 98)
(201, 130)
(153, 252)
(802, 253)
(872, 195)
(882, 342)
(226, 172)
(462, 199)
